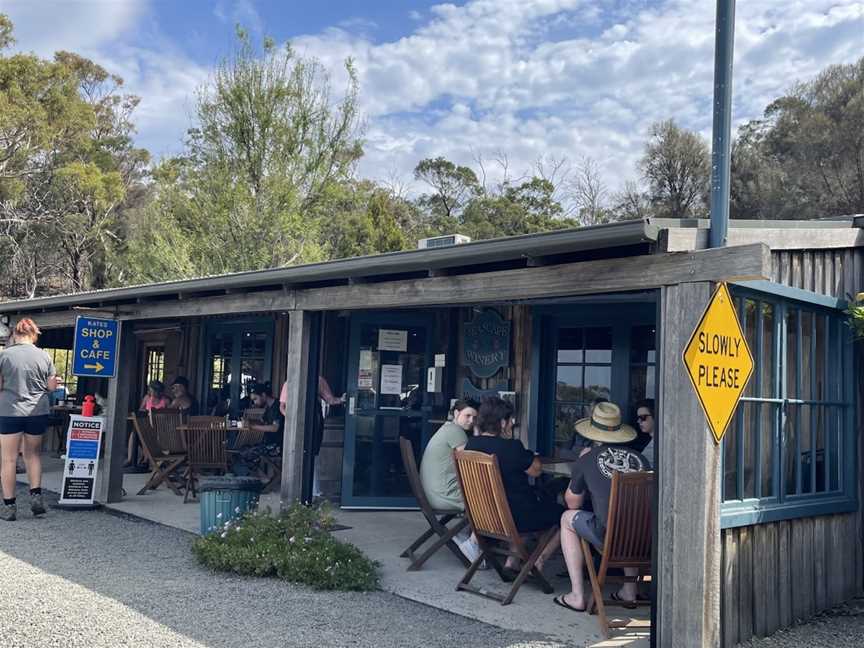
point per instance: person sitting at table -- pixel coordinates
(644, 441)
(183, 400)
(438, 472)
(154, 399)
(273, 421)
(591, 477)
(531, 512)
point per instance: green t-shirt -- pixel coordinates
(437, 471)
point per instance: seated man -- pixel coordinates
(438, 472)
(592, 478)
(273, 421)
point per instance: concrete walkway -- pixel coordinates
(382, 535)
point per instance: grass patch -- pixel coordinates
(296, 545)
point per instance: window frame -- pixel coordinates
(780, 505)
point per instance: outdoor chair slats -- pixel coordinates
(254, 414)
(206, 448)
(627, 542)
(489, 514)
(437, 519)
(247, 437)
(166, 422)
(162, 463)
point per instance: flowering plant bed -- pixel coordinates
(297, 545)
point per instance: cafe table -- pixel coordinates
(555, 466)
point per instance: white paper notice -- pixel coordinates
(391, 379)
(392, 340)
(365, 359)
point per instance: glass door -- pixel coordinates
(387, 400)
(237, 355)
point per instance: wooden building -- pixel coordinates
(750, 536)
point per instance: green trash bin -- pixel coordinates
(226, 498)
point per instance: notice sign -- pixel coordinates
(719, 361)
(95, 347)
(83, 441)
(392, 340)
(391, 379)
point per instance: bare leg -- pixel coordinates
(33, 459)
(130, 445)
(572, 550)
(9, 444)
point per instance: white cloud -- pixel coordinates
(574, 78)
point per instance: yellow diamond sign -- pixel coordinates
(719, 361)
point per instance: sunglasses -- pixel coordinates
(643, 417)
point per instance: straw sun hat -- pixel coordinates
(605, 425)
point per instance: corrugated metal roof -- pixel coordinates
(545, 244)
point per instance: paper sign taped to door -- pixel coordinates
(392, 340)
(391, 379)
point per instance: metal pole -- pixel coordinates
(721, 145)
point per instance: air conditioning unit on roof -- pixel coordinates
(442, 241)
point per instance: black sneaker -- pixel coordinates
(8, 512)
(37, 505)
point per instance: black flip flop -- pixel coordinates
(559, 600)
(629, 605)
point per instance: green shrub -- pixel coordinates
(296, 545)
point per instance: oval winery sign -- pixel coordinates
(487, 344)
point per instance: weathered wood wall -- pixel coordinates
(838, 272)
(775, 574)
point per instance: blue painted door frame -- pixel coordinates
(425, 320)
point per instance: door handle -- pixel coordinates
(352, 402)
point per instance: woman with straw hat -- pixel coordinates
(592, 480)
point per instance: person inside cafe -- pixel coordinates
(591, 479)
(531, 511)
(644, 441)
(154, 399)
(438, 472)
(272, 421)
(182, 399)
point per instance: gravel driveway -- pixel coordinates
(93, 580)
(842, 627)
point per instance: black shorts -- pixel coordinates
(34, 425)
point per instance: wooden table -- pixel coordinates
(555, 466)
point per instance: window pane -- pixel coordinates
(835, 418)
(805, 448)
(751, 328)
(730, 465)
(748, 438)
(598, 344)
(819, 451)
(819, 389)
(768, 416)
(566, 416)
(642, 383)
(790, 462)
(643, 344)
(569, 384)
(570, 344)
(598, 382)
(792, 390)
(766, 363)
(806, 355)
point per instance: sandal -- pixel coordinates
(560, 600)
(629, 605)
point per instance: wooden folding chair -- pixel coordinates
(437, 519)
(247, 437)
(162, 463)
(627, 543)
(254, 414)
(166, 422)
(206, 451)
(489, 513)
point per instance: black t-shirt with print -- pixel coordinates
(592, 473)
(272, 416)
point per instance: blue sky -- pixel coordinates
(523, 80)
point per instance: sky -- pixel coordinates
(525, 80)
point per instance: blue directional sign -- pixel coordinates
(95, 347)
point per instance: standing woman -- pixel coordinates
(27, 376)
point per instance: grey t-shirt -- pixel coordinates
(25, 370)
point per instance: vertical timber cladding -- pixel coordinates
(776, 573)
